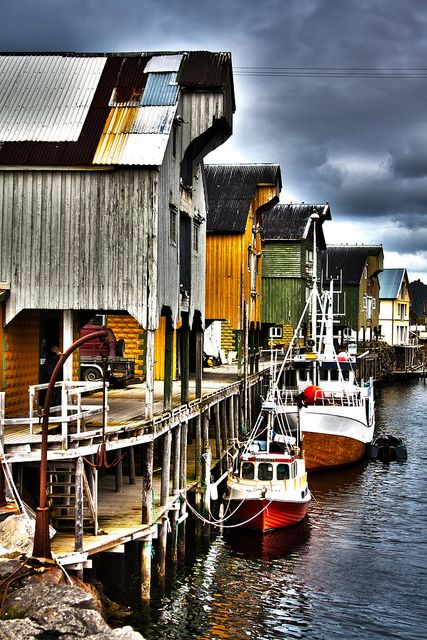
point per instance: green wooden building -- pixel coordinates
(288, 263)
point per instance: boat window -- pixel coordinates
(323, 374)
(265, 471)
(303, 374)
(248, 471)
(346, 375)
(282, 471)
(334, 374)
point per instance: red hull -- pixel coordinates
(255, 514)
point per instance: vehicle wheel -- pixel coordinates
(120, 348)
(90, 374)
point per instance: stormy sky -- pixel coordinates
(335, 91)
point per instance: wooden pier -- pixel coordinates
(138, 491)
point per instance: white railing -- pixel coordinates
(70, 411)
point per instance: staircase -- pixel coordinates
(61, 495)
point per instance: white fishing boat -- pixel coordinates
(268, 489)
(321, 397)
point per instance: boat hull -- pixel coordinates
(265, 515)
(325, 451)
(331, 436)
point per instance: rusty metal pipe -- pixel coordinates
(41, 546)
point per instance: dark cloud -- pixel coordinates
(358, 142)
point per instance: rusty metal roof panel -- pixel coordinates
(131, 149)
(161, 89)
(158, 64)
(46, 98)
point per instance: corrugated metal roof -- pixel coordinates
(131, 149)
(293, 221)
(163, 63)
(349, 260)
(161, 89)
(46, 98)
(230, 190)
(74, 104)
(390, 283)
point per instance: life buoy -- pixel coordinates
(313, 393)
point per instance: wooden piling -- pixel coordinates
(78, 540)
(176, 436)
(168, 379)
(185, 361)
(166, 462)
(131, 463)
(198, 447)
(217, 432)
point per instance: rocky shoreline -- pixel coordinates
(45, 602)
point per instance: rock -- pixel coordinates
(49, 609)
(16, 536)
(20, 630)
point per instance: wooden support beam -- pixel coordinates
(78, 539)
(230, 420)
(166, 463)
(217, 431)
(199, 360)
(161, 559)
(185, 361)
(198, 447)
(168, 381)
(131, 463)
(223, 415)
(149, 375)
(176, 479)
(147, 483)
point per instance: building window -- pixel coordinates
(196, 237)
(173, 216)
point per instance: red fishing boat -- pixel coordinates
(268, 487)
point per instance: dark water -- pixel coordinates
(355, 569)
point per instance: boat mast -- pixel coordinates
(314, 293)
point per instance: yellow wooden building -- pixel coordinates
(236, 195)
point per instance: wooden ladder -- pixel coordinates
(61, 491)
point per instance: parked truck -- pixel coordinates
(119, 368)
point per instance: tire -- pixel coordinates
(91, 374)
(120, 348)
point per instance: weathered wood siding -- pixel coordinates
(20, 360)
(77, 239)
(281, 259)
(224, 254)
(283, 300)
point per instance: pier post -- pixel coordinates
(162, 539)
(230, 421)
(168, 381)
(176, 435)
(217, 432)
(78, 541)
(206, 463)
(131, 462)
(198, 448)
(166, 463)
(147, 517)
(185, 360)
(223, 426)
(183, 486)
(199, 360)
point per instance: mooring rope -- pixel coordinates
(226, 526)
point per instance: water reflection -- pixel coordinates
(355, 569)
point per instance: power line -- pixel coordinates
(333, 72)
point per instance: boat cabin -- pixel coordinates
(268, 470)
